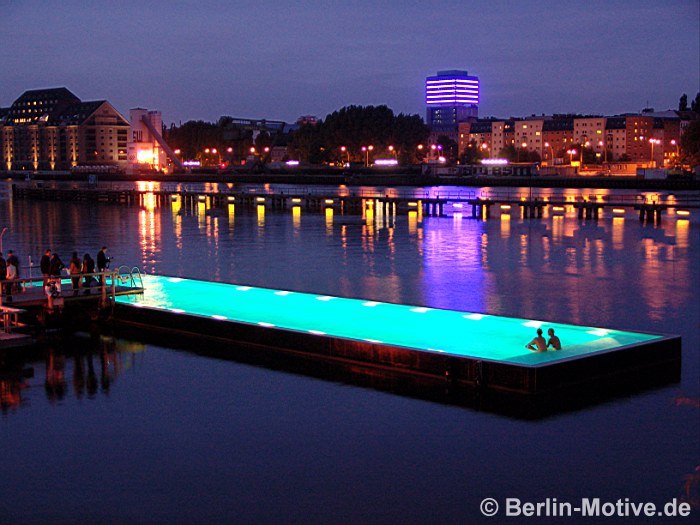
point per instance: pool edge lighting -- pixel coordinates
(420, 309)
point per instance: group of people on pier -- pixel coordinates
(539, 344)
(51, 267)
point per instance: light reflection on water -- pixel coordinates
(183, 415)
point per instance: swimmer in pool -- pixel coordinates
(538, 344)
(554, 341)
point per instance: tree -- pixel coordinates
(683, 103)
(690, 144)
(509, 152)
(472, 154)
(448, 147)
(354, 127)
(695, 105)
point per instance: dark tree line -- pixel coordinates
(694, 105)
(231, 143)
(355, 127)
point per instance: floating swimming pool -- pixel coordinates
(418, 328)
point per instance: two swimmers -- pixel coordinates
(539, 344)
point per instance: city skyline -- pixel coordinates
(201, 61)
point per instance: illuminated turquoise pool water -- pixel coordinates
(453, 332)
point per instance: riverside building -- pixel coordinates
(52, 129)
(649, 139)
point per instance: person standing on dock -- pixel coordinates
(538, 344)
(102, 263)
(74, 271)
(11, 275)
(45, 263)
(3, 271)
(102, 260)
(88, 269)
(12, 258)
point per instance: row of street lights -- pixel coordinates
(434, 150)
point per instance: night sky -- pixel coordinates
(280, 60)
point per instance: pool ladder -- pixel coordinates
(130, 277)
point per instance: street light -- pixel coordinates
(551, 149)
(366, 150)
(343, 149)
(678, 153)
(392, 150)
(571, 153)
(605, 150)
(523, 146)
(583, 147)
(484, 147)
(652, 142)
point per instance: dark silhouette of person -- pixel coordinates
(56, 266)
(102, 260)
(45, 263)
(88, 268)
(3, 271)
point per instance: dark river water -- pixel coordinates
(117, 431)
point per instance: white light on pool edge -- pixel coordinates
(420, 309)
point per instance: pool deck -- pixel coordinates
(394, 340)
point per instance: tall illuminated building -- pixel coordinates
(451, 97)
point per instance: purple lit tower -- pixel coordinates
(452, 97)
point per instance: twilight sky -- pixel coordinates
(282, 59)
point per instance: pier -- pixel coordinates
(28, 306)
(347, 201)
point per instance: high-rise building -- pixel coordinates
(451, 97)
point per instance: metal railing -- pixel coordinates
(39, 288)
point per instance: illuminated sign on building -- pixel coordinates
(451, 88)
